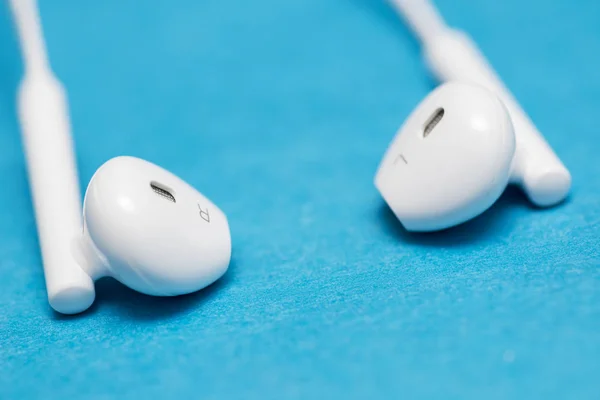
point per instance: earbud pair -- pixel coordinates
(149, 229)
(141, 224)
(466, 141)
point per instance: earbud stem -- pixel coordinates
(43, 113)
(55, 190)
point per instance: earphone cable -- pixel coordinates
(422, 16)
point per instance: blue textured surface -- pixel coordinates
(279, 111)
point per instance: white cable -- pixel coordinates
(30, 33)
(422, 16)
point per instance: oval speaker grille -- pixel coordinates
(433, 121)
(162, 191)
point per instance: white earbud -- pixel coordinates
(452, 56)
(141, 224)
(451, 159)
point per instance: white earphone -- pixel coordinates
(141, 224)
(463, 143)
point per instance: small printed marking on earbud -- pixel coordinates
(204, 214)
(400, 157)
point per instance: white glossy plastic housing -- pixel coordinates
(156, 243)
(445, 176)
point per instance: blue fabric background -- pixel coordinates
(279, 111)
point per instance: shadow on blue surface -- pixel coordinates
(131, 305)
(493, 223)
